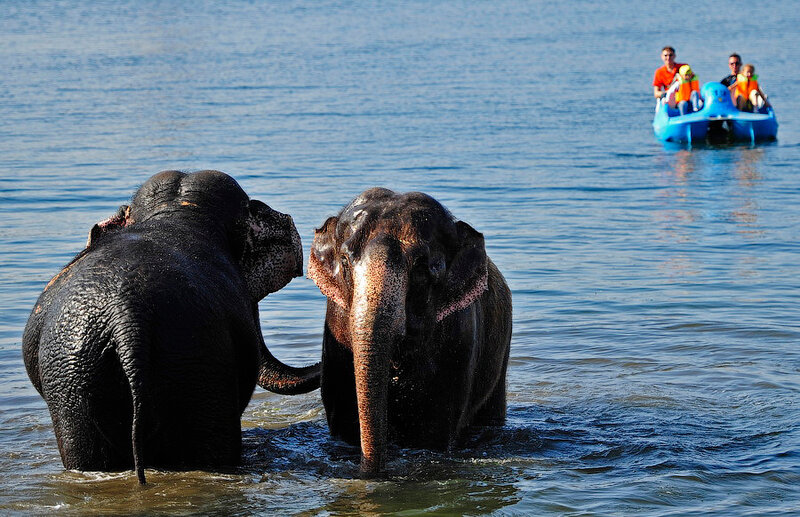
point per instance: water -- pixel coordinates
(654, 366)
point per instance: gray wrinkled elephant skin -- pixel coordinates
(147, 346)
(418, 325)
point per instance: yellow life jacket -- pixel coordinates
(744, 87)
(686, 88)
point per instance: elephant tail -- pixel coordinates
(134, 358)
(137, 438)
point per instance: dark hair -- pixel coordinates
(668, 48)
(737, 56)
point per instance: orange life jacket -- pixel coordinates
(686, 88)
(744, 87)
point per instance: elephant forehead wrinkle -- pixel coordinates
(408, 236)
(407, 244)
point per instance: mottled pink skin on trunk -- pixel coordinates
(377, 320)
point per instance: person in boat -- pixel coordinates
(746, 92)
(687, 95)
(734, 63)
(665, 75)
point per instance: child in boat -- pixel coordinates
(687, 94)
(746, 92)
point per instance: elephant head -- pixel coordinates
(393, 267)
(263, 243)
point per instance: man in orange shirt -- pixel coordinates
(665, 74)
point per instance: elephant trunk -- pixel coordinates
(278, 377)
(377, 322)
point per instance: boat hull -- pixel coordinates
(719, 119)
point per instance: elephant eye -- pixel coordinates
(345, 266)
(420, 271)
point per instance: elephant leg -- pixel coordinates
(84, 447)
(194, 443)
(493, 359)
(92, 426)
(428, 409)
(195, 423)
(338, 390)
(493, 411)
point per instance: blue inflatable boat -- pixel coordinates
(717, 121)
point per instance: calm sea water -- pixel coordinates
(655, 363)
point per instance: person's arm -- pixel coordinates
(658, 87)
(763, 96)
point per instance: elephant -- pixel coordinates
(147, 346)
(417, 329)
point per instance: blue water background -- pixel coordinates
(655, 365)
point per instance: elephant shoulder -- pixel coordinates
(498, 292)
(496, 309)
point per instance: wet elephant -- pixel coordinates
(418, 325)
(147, 346)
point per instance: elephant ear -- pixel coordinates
(268, 248)
(322, 264)
(467, 275)
(119, 220)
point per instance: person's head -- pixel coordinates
(734, 63)
(748, 70)
(686, 71)
(668, 55)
